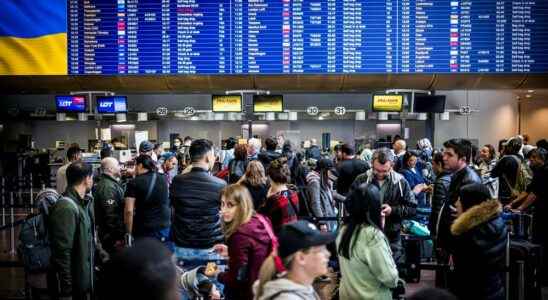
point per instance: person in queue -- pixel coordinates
(301, 257)
(320, 193)
(400, 148)
(413, 175)
(71, 234)
(144, 271)
(248, 242)
(367, 267)
(256, 183)
(480, 245)
(506, 170)
(238, 165)
(147, 148)
(146, 205)
(74, 153)
(169, 165)
(397, 199)
(456, 155)
(196, 200)
(108, 195)
(348, 169)
(440, 193)
(313, 151)
(537, 195)
(282, 204)
(270, 154)
(487, 160)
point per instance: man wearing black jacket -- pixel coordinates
(196, 199)
(398, 199)
(456, 155)
(349, 168)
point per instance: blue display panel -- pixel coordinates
(112, 104)
(306, 36)
(70, 103)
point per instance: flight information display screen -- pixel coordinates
(70, 104)
(312, 36)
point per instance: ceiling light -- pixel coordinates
(444, 116)
(360, 116)
(530, 91)
(383, 116)
(142, 117)
(528, 96)
(422, 116)
(61, 117)
(121, 118)
(293, 116)
(82, 117)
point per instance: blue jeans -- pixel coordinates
(190, 258)
(162, 235)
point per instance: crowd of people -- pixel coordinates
(266, 224)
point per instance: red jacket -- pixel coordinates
(281, 208)
(247, 249)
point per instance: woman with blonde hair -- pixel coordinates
(301, 257)
(248, 240)
(256, 183)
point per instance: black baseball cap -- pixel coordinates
(301, 235)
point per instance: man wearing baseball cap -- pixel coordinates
(300, 257)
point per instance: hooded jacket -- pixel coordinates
(248, 247)
(398, 195)
(285, 289)
(71, 232)
(320, 197)
(370, 272)
(479, 252)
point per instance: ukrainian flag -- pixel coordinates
(33, 37)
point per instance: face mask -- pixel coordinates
(177, 145)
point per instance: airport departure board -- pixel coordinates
(306, 36)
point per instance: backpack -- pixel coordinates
(236, 169)
(34, 246)
(523, 178)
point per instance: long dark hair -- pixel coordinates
(147, 162)
(364, 208)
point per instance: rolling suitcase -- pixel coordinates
(525, 264)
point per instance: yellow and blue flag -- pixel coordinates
(33, 37)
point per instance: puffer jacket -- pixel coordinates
(400, 198)
(479, 253)
(247, 250)
(439, 197)
(196, 198)
(461, 178)
(320, 197)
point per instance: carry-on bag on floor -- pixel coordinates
(525, 267)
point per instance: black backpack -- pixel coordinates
(236, 169)
(34, 245)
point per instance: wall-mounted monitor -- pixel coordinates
(111, 104)
(429, 104)
(226, 103)
(70, 104)
(268, 103)
(387, 103)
